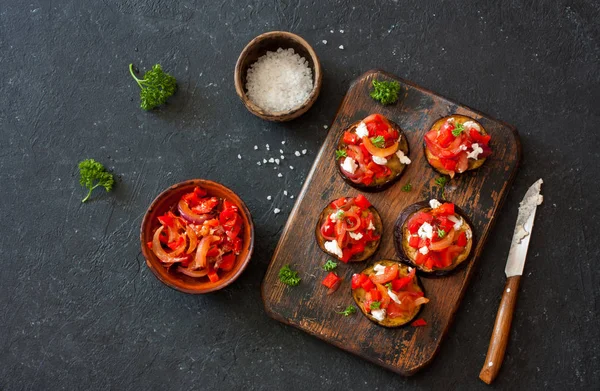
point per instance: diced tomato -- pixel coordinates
(419, 322)
(375, 294)
(417, 220)
(176, 243)
(445, 136)
(421, 258)
(229, 205)
(462, 239)
(448, 164)
(358, 279)
(413, 241)
(368, 178)
(366, 154)
(200, 192)
(395, 310)
(390, 273)
(433, 260)
(331, 280)
(227, 262)
(168, 219)
(362, 202)
(449, 254)
(385, 297)
(445, 209)
(328, 229)
(350, 138)
(367, 285)
(400, 283)
(443, 223)
(479, 138)
(337, 204)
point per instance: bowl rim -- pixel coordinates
(241, 91)
(148, 254)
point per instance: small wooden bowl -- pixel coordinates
(271, 42)
(167, 200)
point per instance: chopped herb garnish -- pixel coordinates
(458, 130)
(406, 188)
(375, 305)
(340, 153)
(289, 276)
(388, 285)
(441, 233)
(329, 265)
(385, 92)
(348, 311)
(441, 182)
(378, 141)
(93, 174)
(339, 214)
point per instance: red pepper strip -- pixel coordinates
(419, 322)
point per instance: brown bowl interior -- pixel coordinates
(167, 200)
(271, 42)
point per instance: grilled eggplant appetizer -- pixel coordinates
(433, 237)
(349, 229)
(456, 144)
(372, 153)
(388, 293)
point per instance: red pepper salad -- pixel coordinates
(203, 240)
(350, 228)
(439, 235)
(455, 144)
(385, 292)
(370, 152)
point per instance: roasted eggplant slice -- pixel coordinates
(456, 144)
(372, 154)
(388, 293)
(349, 229)
(435, 238)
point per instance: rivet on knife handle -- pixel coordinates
(501, 333)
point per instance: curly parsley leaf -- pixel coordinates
(340, 153)
(289, 276)
(375, 305)
(385, 92)
(441, 233)
(157, 86)
(458, 130)
(348, 311)
(378, 141)
(406, 188)
(93, 174)
(441, 182)
(329, 265)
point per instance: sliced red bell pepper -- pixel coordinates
(168, 219)
(400, 283)
(330, 280)
(213, 252)
(200, 192)
(419, 322)
(205, 205)
(358, 279)
(448, 164)
(227, 262)
(213, 276)
(445, 136)
(362, 202)
(350, 138)
(176, 243)
(375, 294)
(479, 138)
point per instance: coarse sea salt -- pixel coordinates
(279, 81)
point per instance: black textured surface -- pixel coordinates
(79, 309)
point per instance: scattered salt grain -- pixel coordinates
(267, 146)
(292, 196)
(280, 175)
(325, 126)
(291, 167)
(277, 161)
(304, 151)
(283, 142)
(255, 147)
(279, 81)
(297, 153)
(324, 42)
(264, 160)
(282, 157)
(271, 160)
(285, 192)
(341, 47)
(239, 156)
(342, 31)
(281, 151)
(331, 31)
(276, 210)
(259, 163)
(269, 198)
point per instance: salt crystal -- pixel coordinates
(285, 192)
(325, 126)
(342, 31)
(281, 151)
(324, 42)
(264, 160)
(283, 142)
(331, 31)
(239, 156)
(269, 198)
(282, 157)
(297, 153)
(258, 163)
(267, 146)
(280, 175)
(304, 151)
(255, 147)
(342, 47)
(291, 196)
(271, 160)
(277, 161)
(291, 167)
(276, 210)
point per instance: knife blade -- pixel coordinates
(513, 270)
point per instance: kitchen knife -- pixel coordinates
(513, 270)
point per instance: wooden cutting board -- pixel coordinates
(480, 194)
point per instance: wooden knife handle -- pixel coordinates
(501, 333)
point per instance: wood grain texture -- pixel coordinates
(501, 333)
(479, 193)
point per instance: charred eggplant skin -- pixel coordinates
(473, 165)
(399, 240)
(369, 270)
(369, 251)
(404, 147)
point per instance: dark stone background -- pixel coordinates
(80, 310)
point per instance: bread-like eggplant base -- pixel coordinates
(432, 159)
(370, 248)
(408, 254)
(359, 296)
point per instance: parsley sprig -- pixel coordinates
(458, 130)
(441, 233)
(375, 305)
(329, 265)
(93, 174)
(441, 182)
(378, 141)
(289, 276)
(157, 86)
(385, 92)
(348, 311)
(406, 188)
(340, 153)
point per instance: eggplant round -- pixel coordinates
(461, 119)
(370, 248)
(397, 168)
(408, 254)
(359, 296)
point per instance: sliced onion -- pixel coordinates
(193, 239)
(340, 231)
(356, 218)
(192, 273)
(203, 247)
(161, 253)
(334, 287)
(190, 216)
(445, 242)
(379, 152)
(421, 300)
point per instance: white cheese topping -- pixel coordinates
(378, 314)
(333, 248)
(424, 250)
(463, 147)
(394, 296)
(403, 158)
(371, 226)
(425, 231)
(379, 269)
(458, 222)
(433, 203)
(476, 151)
(361, 130)
(379, 160)
(355, 236)
(333, 217)
(450, 120)
(472, 125)
(349, 165)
